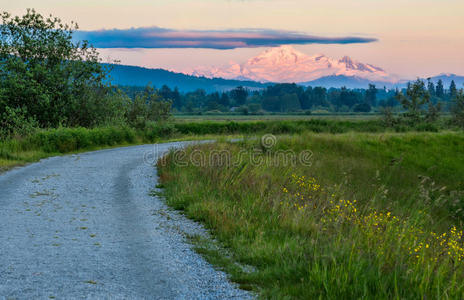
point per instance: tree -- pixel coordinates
(176, 99)
(371, 95)
(271, 103)
(440, 90)
(290, 102)
(148, 106)
(319, 96)
(348, 97)
(307, 101)
(45, 74)
(431, 87)
(453, 89)
(239, 94)
(224, 101)
(213, 102)
(414, 100)
(457, 109)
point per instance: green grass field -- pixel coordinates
(374, 215)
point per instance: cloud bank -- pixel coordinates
(156, 37)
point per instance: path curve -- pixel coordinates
(85, 227)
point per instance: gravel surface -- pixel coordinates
(85, 227)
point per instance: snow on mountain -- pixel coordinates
(285, 64)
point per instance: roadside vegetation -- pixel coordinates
(41, 143)
(375, 216)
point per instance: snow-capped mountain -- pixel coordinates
(285, 64)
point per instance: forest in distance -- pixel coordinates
(293, 98)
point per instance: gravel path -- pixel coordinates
(85, 227)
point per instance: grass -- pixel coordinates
(369, 218)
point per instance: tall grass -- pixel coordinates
(363, 221)
(293, 126)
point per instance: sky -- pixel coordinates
(409, 38)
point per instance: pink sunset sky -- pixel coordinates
(413, 38)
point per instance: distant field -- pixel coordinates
(238, 118)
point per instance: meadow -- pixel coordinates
(374, 215)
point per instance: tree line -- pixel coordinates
(290, 98)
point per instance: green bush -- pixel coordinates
(157, 130)
(14, 122)
(64, 140)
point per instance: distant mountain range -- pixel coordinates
(338, 81)
(138, 76)
(280, 64)
(353, 82)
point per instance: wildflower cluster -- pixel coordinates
(380, 231)
(304, 192)
(451, 244)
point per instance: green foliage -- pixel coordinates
(44, 72)
(286, 97)
(440, 90)
(414, 100)
(239, 95)
(48, 80)
(65, 140)
(362, 107)
(371, 95)
(453, 90)
(14, 122)
(458, 109)
(290, 102)
(148, 106)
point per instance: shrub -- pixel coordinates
(362, 107)
(15, 122)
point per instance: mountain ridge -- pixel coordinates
(286, 64)
(140, 76)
